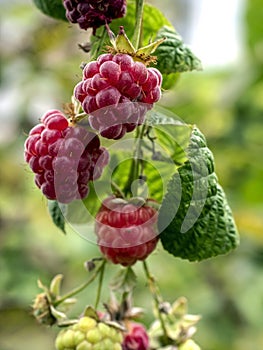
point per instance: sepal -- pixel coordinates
(122, 44)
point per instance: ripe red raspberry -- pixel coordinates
(126, 232)
(117, 92)
(64, 158)
(136, 338)
(94, 13)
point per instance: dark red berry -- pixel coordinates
(94, 13)
(126, 232)
(64, 158)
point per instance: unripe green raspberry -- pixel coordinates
(88, 334)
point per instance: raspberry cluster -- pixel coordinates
(126, 232)
(88, 334)
(136, 338)
(116, 92)
(94, 13)
(64, 158)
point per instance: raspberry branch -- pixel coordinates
(136, 169)
(138, 161)
(83, 286)
(101, 43)
(138, 23)
(157, 299)
(117, 190)
(102, 270)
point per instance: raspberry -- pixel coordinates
(64, 158)
(117, 92)
(126, 232)
(94, 13)
(136, 338)
(88, 334)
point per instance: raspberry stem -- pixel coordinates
(157, 299)
(100, 284)
(138, 157)
(82, 286)
(117, 190)
(101, 43)
(136, 162)
(138, 23)
(79, 117)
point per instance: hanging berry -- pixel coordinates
(64, 158)
(94, 13)
(118, 89)
(126, 232)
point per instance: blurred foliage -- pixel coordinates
(38, 71)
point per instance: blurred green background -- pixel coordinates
(38, 68)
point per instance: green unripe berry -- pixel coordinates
(88, 334)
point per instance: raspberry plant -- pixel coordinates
(161, 184)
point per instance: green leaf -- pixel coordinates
(173, 56)
(153, 21)
(157, 174)
(52, 8)
(57, 215)
(172, 134)
(163, 151)
(254, 28)
(81, 212)
(170, 80)
(124, 281)
(195, 219)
